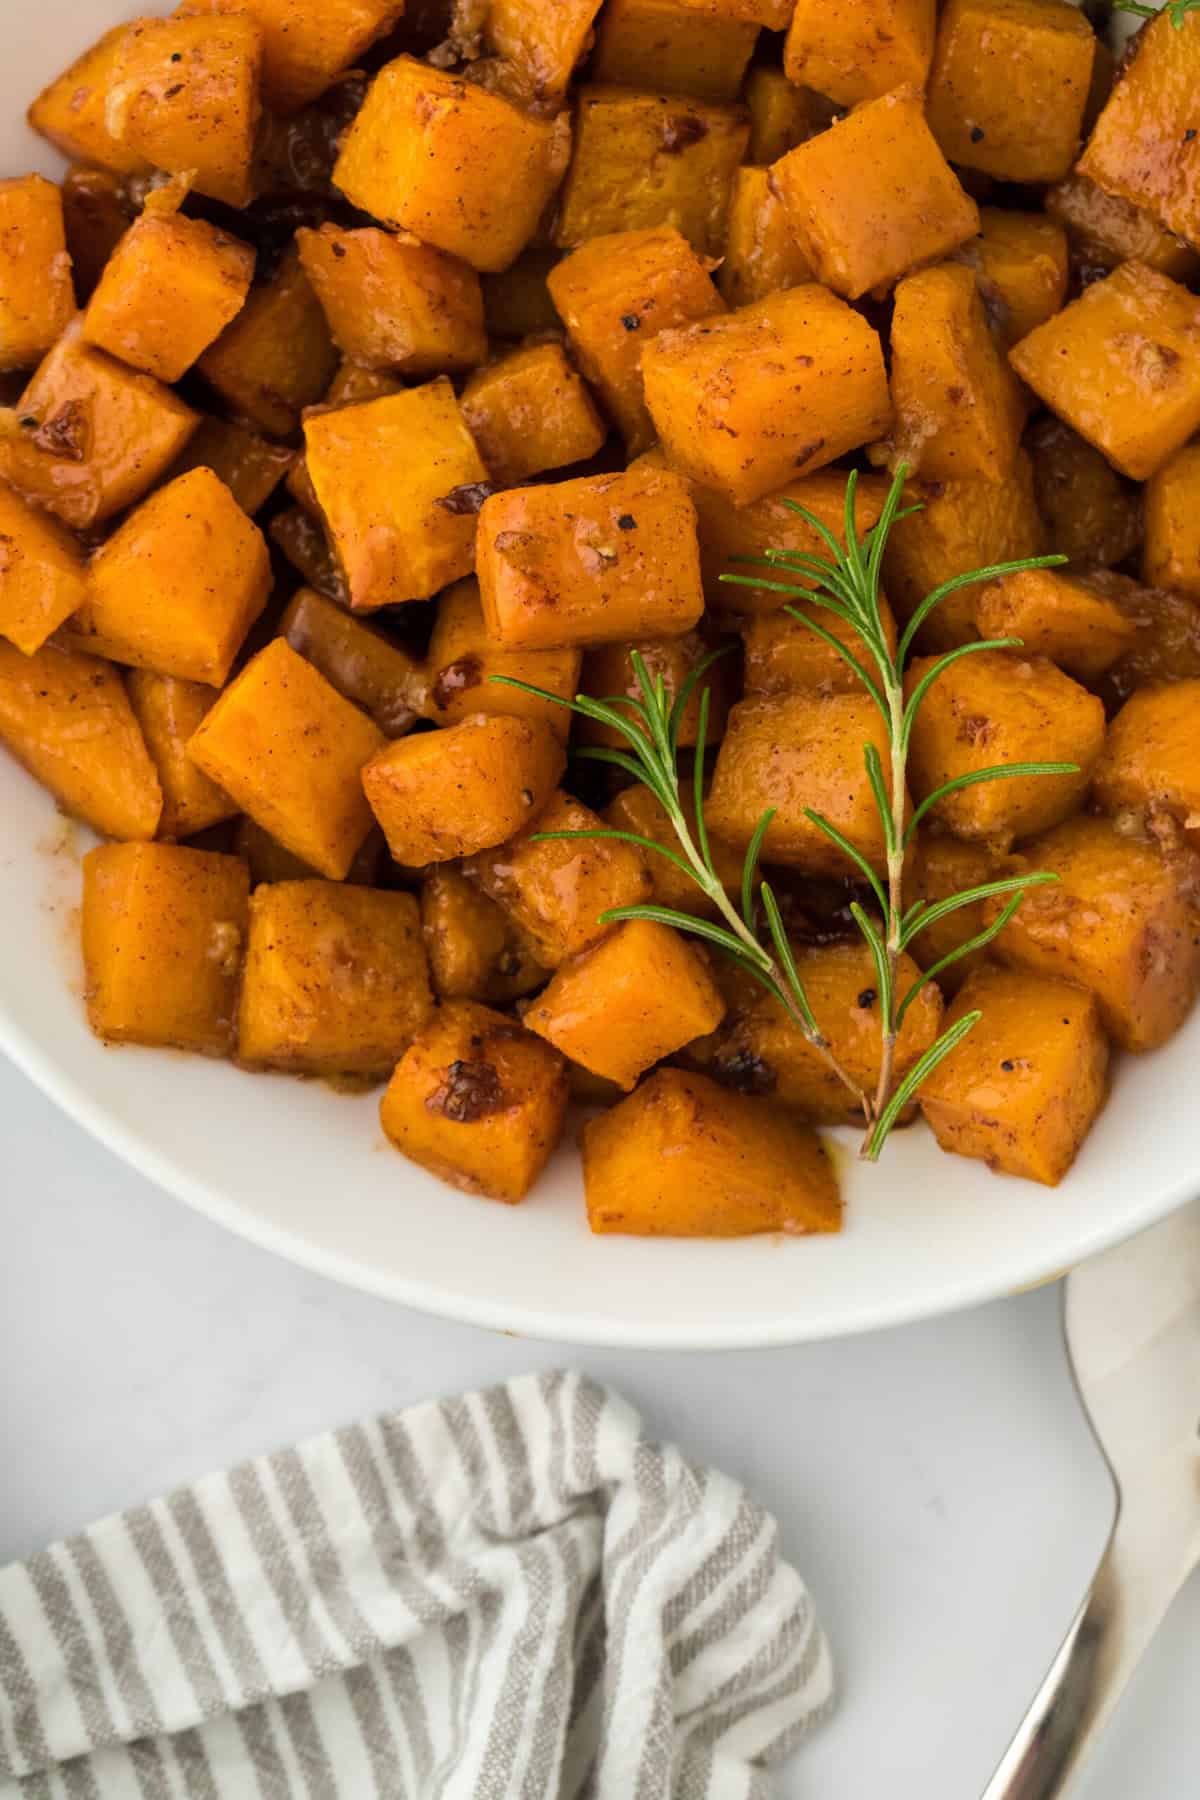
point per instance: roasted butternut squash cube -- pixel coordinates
(782, 115)
(1122, 365)
(1120, 921)
(354, 382)
(89, 436)
(178, 585)
(1023, 1088)
(169, 712)
(170, 288)
(250, 466)
(73, 112)
(637, 810)
(1064, 617)
(306, 47)
(750, 401)
(1171, 553)
(797, 752)
(164, 930)
(399, 484)
(289, 749)
(622, 1005)
(475, 952)
(186, 96)
(516, 300)
(773, 14)
(277, 356)
(642, 160)
(873, 197)
(305, 543)
(67, 718)
(660, 44)
(1106, 230)
(782, 656)
(364, 666)
(335, 982)
(528, 412)
(463, 658)
(37, 300)
(440, 795)
(600, 560)
(478, 1101)
(1140, 148)
(959, 408)
(392, 302)
(996, 707)
(683, 1157)
(42, 575)
(98, 209)
(859, 49)
(761, 250)
(615, 294)
(1091, 514)
(555, 889)
(762, 1050)
(1150, 767)
(1008, 86)
(940, 867)
(268, 861)
(541, 43)
(962, 525)
(608, 673)
(423, 155)
(1021, 267)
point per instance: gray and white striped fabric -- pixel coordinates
(514, 1593)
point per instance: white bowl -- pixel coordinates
(306, 1172)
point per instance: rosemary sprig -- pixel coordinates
(846, 584)
(1176, 10)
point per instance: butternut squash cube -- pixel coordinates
(959, 408)
(938, 868)
(398, 481)
(169, 712)
(393, 303)
(859, 49)
(773, 14)
(170, 288)
(1000, 706)
(1140, 148)
(683, 1157)
(364, 666)
(615, 294)
(354, 382)
(797, 752)
(250, 466)
(1091, 514)
(1122, 365)
(289, 749)
(873, 197)
(1106, 230)
(622, 1005)
(478, 1101)
(164, 930)
(440, 795)
(305, 47)
(600, 560)
(962, 525)
(661, 44)
(1064, 617)
(747, 402)
(761, 250)
(608, 673)
(269, 862)
(277, 356)
(541, 43)
(423, 155)
(1120, 921)
(763, 1051)
(73, 111)
(782, 656)
(98, 210)
(1009, 84)
(37, 300)
(1150, 767)
(42, 576)
(463, 658)
(642, 160)
(186, 96)
(67, 718)
(475, 952)
(1023, 1088)
(637, 810)
(1021, 267)
(89, 436)
(528, 412)
(555, 889)
(782, 115)
(335, 981)
(516, 300)
(1171, 553)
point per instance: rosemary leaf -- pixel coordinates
(942, 909)
(978, 942)
(622, 837)
(852, 851)
(753, 852)
(997, 772)
(906, 1089)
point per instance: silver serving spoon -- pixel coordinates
(1132, 1324)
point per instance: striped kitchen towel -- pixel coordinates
(515, 1593)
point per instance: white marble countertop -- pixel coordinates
(936, 1485)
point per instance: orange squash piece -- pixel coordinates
(529, 412)
(463, 657)
(1021, 267)
(364, 666)
(250, 466)
(782, 115)
(662, 45)
(1171, 553)
(542, 44)
(392, 302)
(169, 712)
(277, 356)
(859, 49)
(37, 299)
(73, 111)
(1064, 617)
(42, 575)
(939, 868)
(1091, 514)
(1150, 769)
(475, 952)
(637, 810)
(1106, 230)
(761, 250)
(782, 656)
(1141, 148)
(306, 47)
(608, 673)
